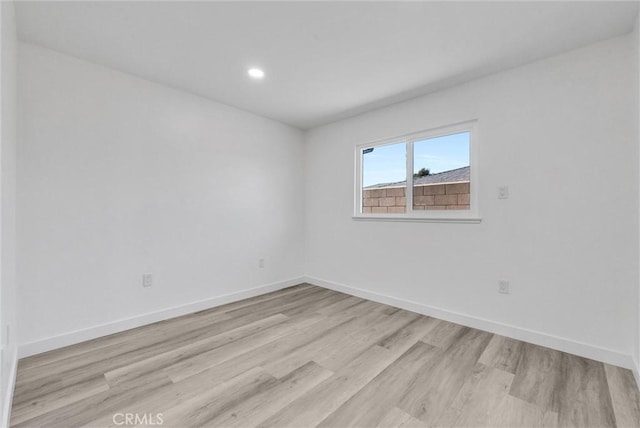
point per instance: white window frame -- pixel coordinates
(471, 215)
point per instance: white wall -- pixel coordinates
(7, 206)
(559, 133)
(119, 176)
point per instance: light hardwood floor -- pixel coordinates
(306, 356)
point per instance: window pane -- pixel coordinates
(441, 173)
(384, 179)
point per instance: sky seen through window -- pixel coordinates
(387, 164)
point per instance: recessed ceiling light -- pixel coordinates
(256, 73)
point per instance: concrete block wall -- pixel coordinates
(392, 199)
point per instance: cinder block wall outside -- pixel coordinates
(441, 196)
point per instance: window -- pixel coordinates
(440, 165)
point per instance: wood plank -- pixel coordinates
(318, 303)
(481, 395)
(277, 306)
(390, 310)
(369, 406)
(436, 388)
(502, 353)
(537, 376)
(263, 405)
(341, 306)
(583, 396)
(625, 396)
(411, 332)
(363, 338)
(443, 334)
(516, 413)
(398, 418)
(204, 407)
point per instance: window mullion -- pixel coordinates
(409, 183)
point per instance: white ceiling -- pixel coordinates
(323, 60)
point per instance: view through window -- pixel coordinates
(440, 174)
(384, 175)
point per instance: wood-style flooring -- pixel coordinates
(305, 357)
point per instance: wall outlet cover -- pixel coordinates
(147, 280)
(503, 192)
(503, 287)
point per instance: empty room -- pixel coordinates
(319, 214)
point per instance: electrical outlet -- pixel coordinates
(503, 192)
(147, 280)
(503, 287)
(261, 263)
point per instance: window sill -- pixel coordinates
(418, 219)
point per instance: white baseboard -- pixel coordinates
(77, 336)
(7, 400)
(538, 338)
